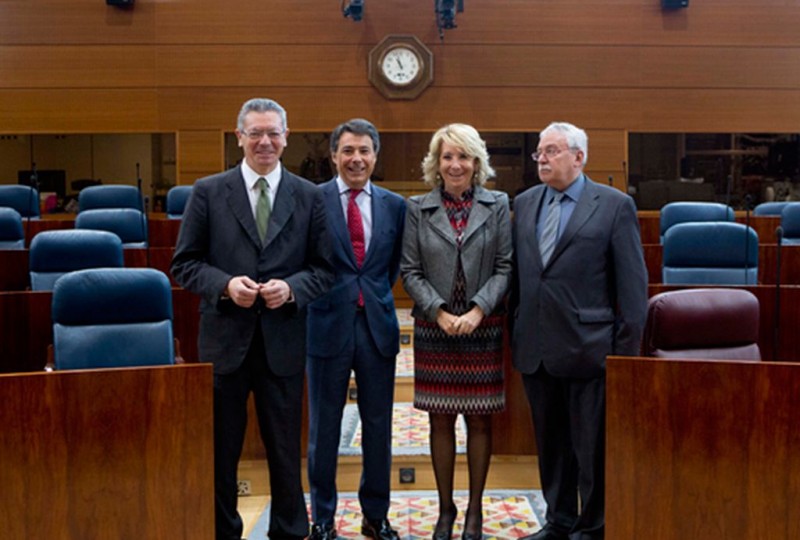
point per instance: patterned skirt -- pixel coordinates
(459, 374)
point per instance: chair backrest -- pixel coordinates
(55, 253)
(683, 212)
(703, 323)
(127, 223)
(769, 208)
(12, 235)
(713, 253)
(790, 223)
(112, 317)
(23, 199)
(176, 201)
(109, 196)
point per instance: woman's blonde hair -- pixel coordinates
(466, 138)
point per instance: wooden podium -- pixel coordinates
(702, 449)
(115, 453)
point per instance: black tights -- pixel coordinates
(443, 454)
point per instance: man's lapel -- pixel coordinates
(239, 203)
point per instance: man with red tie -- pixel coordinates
(354, 328)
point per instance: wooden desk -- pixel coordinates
(14, 265)
(115, 453)
(161, 232)
(27, 328)
(650, 226)
(767, 263)
(702, 449)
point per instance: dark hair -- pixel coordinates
(356, 126)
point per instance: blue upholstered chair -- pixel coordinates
(112, 317)
(127, 223)
(176, 201)
(703, 323)
(12, 235)
(790, 223)
(55, 253)
(714, 253)
(769, 208)
(683, 212)
(23, 199)
(109, 196)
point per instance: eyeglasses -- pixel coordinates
(258, 134)
(550, 152)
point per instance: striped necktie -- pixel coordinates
(547, 242)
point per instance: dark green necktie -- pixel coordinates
(263, 209)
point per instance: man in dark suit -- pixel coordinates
(579, 294)
(354, 327)
(254, 245)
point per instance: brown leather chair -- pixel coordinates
(715, 323)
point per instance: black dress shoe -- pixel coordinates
(378, 529)
(322, 532)
(548, 532)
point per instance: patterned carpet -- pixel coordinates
(507, 514)
(409, 431)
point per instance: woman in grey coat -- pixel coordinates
(456, 266)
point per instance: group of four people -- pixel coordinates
(292, 275)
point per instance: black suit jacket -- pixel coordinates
(218, 240)
(590, 300)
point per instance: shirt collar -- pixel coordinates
(344, 188)
(573, 192)
(251, 176)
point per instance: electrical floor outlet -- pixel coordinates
(243, 487)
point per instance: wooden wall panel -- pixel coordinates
(456, 65)
(489, 109)
(59, 22)
(107, 66)
(78, 111)
(80, 66)
(733, 110)
(200, 153)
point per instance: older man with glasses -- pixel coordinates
(579, 294)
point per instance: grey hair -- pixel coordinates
(356, 126)
(576, 137)
(261, 105)
(466, 138)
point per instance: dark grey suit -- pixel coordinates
(255, 349)
(589, 301)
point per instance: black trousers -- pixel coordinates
(569, 425)
(279, 403)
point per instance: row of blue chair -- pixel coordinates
(684, 212)
(114, 208)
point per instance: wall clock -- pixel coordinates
(400, 67)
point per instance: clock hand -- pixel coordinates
(399, 63)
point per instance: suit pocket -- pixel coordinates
(596, 315)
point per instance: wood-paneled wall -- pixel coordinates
(611, 66)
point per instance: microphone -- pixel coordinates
(33, 195)
(144, 216)
(728, 190)
(776, 327)
(747, 200)
(611, 180)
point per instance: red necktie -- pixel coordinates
(356, 229)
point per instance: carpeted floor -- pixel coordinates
(507, 515)
(410, 432)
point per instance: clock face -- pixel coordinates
(401, 66)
